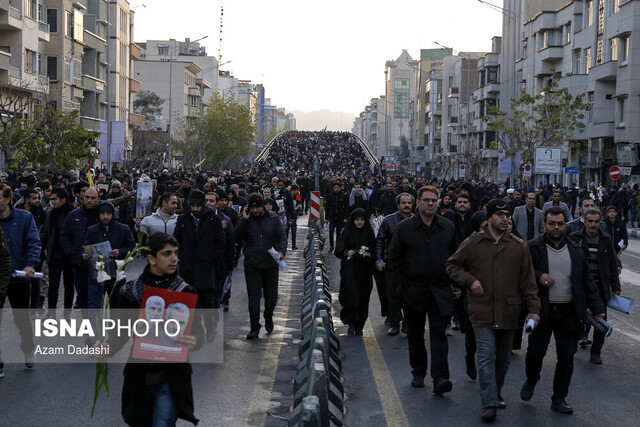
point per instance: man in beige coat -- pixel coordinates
(494, 268)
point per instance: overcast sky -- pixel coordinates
(314, 55)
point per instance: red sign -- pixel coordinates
(614, 172)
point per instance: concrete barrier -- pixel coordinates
(318, 391)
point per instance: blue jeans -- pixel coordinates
(161, 409)
(494, 349)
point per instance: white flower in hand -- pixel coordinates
(103, 276)
(120, 275)
(120, 264)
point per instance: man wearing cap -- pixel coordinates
(201, 246)
(494, 269)
(258, 231)
(121, 241)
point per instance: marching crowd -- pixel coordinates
(475, 256)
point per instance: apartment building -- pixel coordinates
(23, 36)
(400, 92)
(595, 42)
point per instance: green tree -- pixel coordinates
(149, 105)
(225, 130)
(552, 118)
(62, 143)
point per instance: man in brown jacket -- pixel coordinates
(495, 270)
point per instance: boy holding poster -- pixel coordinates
(159, 393)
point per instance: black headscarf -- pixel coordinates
(353, 237)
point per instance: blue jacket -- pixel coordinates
(24, 241)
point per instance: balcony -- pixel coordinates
(454, 92)
(607, 71)
(94, 41)
(134, 51)
(92, 84)
(43, 31)
(90, 123)
(136, 120)
(551, 53)
(194, 91)
(134, 85)
(5, 60)
(492, 88)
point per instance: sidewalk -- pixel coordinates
(634, 233)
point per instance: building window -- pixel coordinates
(52, 20)
(590, 103)
(163, 50)
(124, 21)
(69, 27)
(613, 49)
(67, 71)
(52, 68)
(401, 98)
(31, 9)
(193, 101)
(577, 62)
(616, 6)
(30, 61)
(624, 49)
(588, 13)
(492, 75)
(587, 60)
(41, 70)
(621, 118)
(567, 33)
(78, 25)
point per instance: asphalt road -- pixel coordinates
(254, 384)
(377, 376)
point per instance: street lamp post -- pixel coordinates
(170, 126)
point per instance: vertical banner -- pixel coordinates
(117, 142)
(144, 199)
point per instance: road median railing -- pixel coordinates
(318, 391)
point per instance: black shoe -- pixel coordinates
(294, 247)
(472, 372)
(268, 325)
(595, 358)
(489, 414)
(393, 331)
(351, 330)
(331, 249)
(501, 403)
(403, 328)
(455, 325)
(417, 381)
(225, 307)
(388, 322)
(560, 405)
(584, 341)
(441, 386)
(253, 335)
(526, 392)
(358, 331)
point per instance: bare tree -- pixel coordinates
(17, 103)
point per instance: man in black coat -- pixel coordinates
(336, 211)
(603, 267)
(58, 261)
(202, 244)
(566, 290)
(258, 231)
(121, 241)
(387, 202)
(31, 203)
(416, 257)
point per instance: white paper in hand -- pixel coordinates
(276, 257)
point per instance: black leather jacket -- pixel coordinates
(387, 228)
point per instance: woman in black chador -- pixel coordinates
(355, 247)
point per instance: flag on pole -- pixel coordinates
(201, 162)
(164, 157)
(90, 179)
